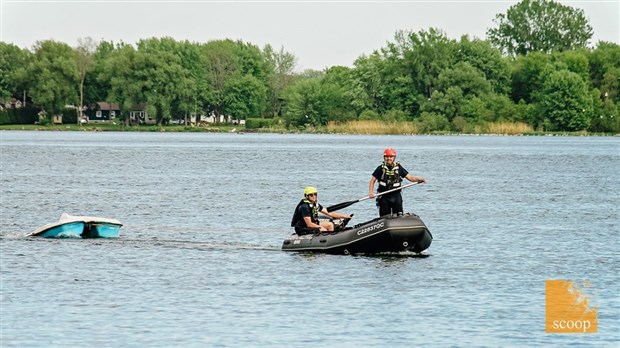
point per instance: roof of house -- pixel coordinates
(108, 106)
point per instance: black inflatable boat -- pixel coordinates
(388, 233)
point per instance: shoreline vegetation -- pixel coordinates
(519, 80)
(367, 127)
(551, 81)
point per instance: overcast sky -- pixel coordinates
(319, 33)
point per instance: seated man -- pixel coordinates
(306, 216)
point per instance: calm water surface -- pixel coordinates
(198, 261)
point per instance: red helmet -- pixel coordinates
(389, 152)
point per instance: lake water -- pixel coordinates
(198, 262)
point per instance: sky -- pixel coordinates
(320, 34)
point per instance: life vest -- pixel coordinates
(390, 178)
(298, 220)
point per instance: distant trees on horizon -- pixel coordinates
(543, 75)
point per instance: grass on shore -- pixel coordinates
(509, 128)
(379, 127)
(372, 127)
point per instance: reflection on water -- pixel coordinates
(198, 262)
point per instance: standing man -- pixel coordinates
(390, 174)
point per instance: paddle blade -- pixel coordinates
(340, 205)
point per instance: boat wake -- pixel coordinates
(401, 254)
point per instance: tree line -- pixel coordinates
(534, 67)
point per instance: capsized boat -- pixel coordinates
(389, 233)
(72, 226)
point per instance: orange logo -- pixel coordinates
(568, 308)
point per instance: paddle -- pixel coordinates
(346, 204)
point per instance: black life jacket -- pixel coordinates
(390, 178)
(298, 220)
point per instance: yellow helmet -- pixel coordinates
(308, 190)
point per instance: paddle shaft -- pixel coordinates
(346, 204)
(390, 191)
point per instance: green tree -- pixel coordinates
(540, 26)
(244, 97)
(474, 109)
(366, 88)
(84, 58)
(120, 70)
(608, 119)
(282, 64)
(369, 115)
(187, 99)
(611, 85)
(488, 60)
(335, 85)
(221, 66)
(395, 115)
(251, 61)
(460, 92)
(430, 122)
(13, 62)
(53, 76)
(236, 75)
(448, 103)
(413, 64)
(96, 86)
(501, 108)
(311, 74)
(166, 82)
(304, 103)
(528, 76)
(604, 63)
(565, 101)
(252, 67)
(315, 102)
(575, 61)
(470, 80)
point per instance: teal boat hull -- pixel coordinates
(70, 226)
(102, 230)
(68, 230)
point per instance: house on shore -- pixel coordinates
(102, 112)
